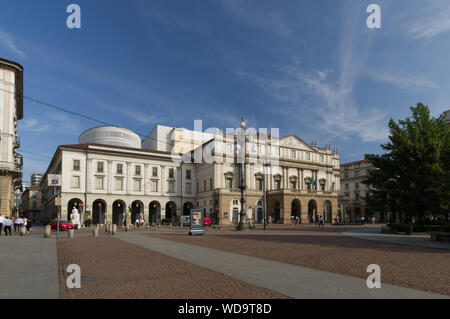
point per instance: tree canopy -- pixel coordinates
(413, 175)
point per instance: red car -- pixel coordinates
(63, 225)
(207, 221)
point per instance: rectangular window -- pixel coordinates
(34, 205)
(75, 181)
(76, 165)
(357, 185)
(155, 171)
(322, 187)
(119, 169)
(259, 184)
(170, 172)
(188, 188)
(347, 187)
(137, 170)
(229, 183)
(188, 174)
(171, 187)
(210, 184)
(137, 185)
(278, 184)
(99, 182)
(119, 184)
(154, 186)
(204, 186)
(356, 173)
(99, 167)
(308, 156)
(321, 158)
(293, 185)
(293, 154)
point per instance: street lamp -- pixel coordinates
(240, 140)
(264, 162)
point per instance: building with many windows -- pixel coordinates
(11, 110)
(171, 173)
(31, 203)
(353, 191)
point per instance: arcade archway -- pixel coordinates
(118, 212)
(99, 212)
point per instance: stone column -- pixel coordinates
(109, 177)
(146, 180)
(128, 179)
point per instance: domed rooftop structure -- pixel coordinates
(110, 135)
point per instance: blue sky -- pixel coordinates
(310, 67)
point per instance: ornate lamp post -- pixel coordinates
(240, 141)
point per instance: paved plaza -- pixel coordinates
(281, 262)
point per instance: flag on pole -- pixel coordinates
(315, 184)
(312, 183)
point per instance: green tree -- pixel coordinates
(412, 177)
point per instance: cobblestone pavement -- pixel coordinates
(406, 266)
(111, 268)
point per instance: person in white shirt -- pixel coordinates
(7, 224)
(2, 219)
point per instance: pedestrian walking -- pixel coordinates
(362, 220)
(317, 220)
(2, 220)
(292, 221)
(321, 222)
(28, 226)
(7, 223)
(17, 224)
(125, 224)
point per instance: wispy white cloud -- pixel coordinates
(35, 126)
(405, 82)
(8, 42)
(433, 20)
(254, 14)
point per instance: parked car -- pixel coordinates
(63, 225)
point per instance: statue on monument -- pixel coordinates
(75, 218)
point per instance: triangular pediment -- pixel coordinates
(293, 141)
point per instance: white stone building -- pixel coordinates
(157, 181)
(11, 110)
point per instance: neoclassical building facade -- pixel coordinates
(112, 180)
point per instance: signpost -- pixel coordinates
(54, 180)
(196, 224)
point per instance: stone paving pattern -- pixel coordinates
(112, 268)
(406, 266)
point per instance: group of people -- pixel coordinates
(6, 223)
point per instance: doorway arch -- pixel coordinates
(74, 202)
(137, 211)
(296, 209)
(312, 210)
(187, 208)
(327, 211)
(171, 211)
(118, 212)
(99, 212)
(154, 212)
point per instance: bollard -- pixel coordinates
(48, 231)
(114, 229)
(159, 225)
(71, 233)
(23, 231)
(95, 231)
(170, 225)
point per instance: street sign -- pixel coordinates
(57, 201)
(54, 180)
(196, 225)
